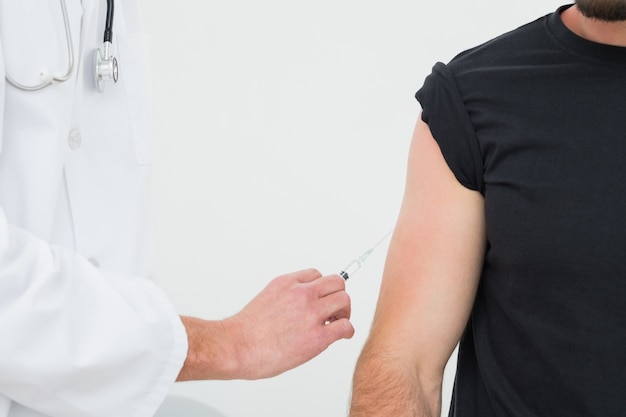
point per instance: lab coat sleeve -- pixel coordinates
(78, 341)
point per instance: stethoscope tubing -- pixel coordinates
(51, 78)
(108, 23)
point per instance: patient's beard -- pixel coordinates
(606, 10)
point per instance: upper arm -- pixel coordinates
(433, 264)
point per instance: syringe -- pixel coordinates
(356, 263)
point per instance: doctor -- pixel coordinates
(83, 331)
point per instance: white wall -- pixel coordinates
(282, 133)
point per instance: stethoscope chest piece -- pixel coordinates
(105, 67)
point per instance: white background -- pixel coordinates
(282, 130)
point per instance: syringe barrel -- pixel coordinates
(351, 269)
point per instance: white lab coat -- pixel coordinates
(83, 333)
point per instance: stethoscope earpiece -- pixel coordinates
(46, 77)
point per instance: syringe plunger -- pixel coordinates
(351, 269)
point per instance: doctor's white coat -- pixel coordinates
(83, 333)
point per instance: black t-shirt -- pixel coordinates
(535, 120)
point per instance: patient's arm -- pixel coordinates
(428, 288)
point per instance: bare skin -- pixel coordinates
(428, 289)
(295, 318)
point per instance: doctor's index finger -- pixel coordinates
(307, 275)
(330, 284)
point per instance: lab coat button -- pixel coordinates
(74, 139)
(94, 262)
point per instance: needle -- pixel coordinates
(356, 263)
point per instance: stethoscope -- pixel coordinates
(105, 64)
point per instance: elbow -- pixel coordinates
(386, 378)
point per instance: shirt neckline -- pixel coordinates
(581, 46)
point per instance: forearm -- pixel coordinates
(212, 352)
(386, 387)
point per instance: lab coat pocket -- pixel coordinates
(134, 70)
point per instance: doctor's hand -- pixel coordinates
(292, 320)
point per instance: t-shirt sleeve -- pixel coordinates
(446, 115)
